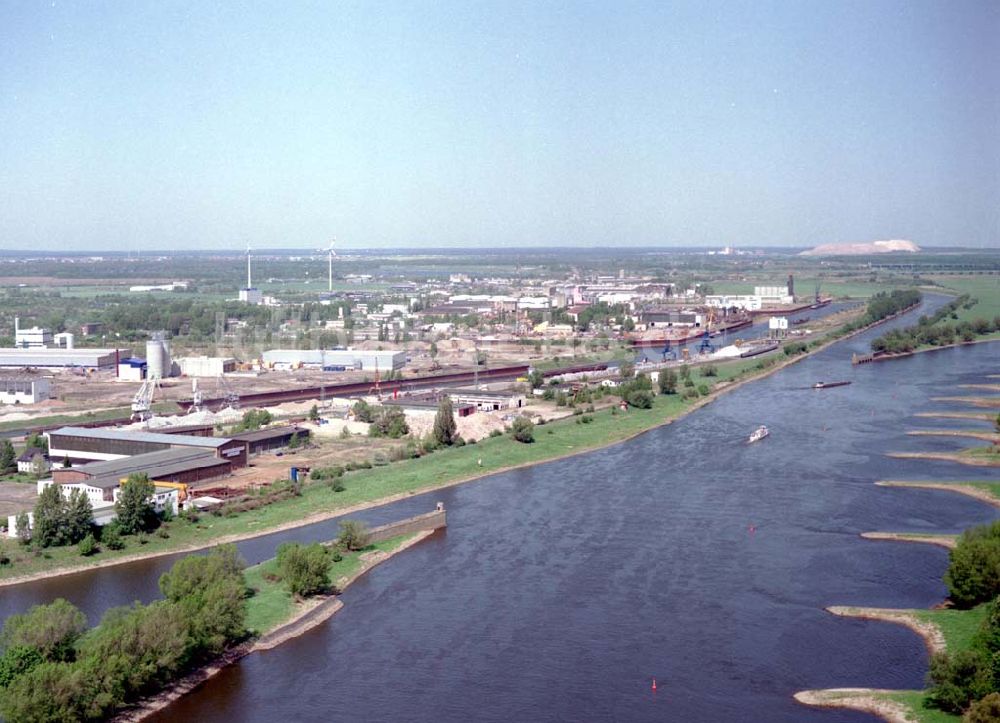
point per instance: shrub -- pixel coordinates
(337, 486)
(710, 370)
(496, 433)
(957, 680)
(640, 399)
(523, 430)
(304, 569)
(87, 546)
(353, 535)
(111, 537)
(703, 390)
(973, 574)
(986, 710)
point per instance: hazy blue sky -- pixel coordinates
(188, 124)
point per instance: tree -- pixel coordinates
(304, 569)
(523, 430)
(353, 535)
(389, 422)
(314, 413)
(22, 527)
(16, 661)
(79, 517)
(50, 517)
(51, 629)
(433, 350)
(295, 441)
(957, 680)
(66, 463)
(640, 399)
(134, 507)
(668, 381)
(8, 460)
(88, 545)
(445, 428)
(363, 411)
(626, 370)
(986, 710)
(37, 441)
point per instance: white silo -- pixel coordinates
(154, 359)
(168, 364)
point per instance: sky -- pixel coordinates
(172, 125)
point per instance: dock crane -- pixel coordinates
(706, 343)
(229, 395)
(142, 402)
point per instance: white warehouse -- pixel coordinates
(368, 361)
(24, 390)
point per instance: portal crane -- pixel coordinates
(706, 343)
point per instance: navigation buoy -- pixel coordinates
(654, 683)
(752, 528)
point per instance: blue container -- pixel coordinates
(295, 474)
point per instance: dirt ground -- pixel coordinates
(16, 497)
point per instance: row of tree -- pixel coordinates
(931, 331)
(53, 669)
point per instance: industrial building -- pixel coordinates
(337, 359)
(266, 440)
(61, 358)
(92, 444)
(206, 366)
(131, 369)
(187, 465)
(23, 389)
(487, 401)
(32, 337)
(430, 406)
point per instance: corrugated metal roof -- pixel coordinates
(154, 464)
(270, 433)
(152, 437)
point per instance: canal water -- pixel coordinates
(559, 592)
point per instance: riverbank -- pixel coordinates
(991, 437)
(946, 541)
(303, 617)
(964, 457)
(383, 485)
(928, 631)
(987, 492)
(866, 700)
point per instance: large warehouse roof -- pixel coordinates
(155, 464)
(58, 357)
(185, 440)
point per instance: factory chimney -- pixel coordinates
(791, 286)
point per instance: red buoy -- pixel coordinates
(654, 683)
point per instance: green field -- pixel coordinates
(984, 288)
(914, 700)
(271, 604)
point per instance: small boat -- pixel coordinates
(758, 434)
(827, 385)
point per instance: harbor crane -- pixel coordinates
(142, 402)
(706, 343)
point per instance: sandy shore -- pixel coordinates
(948, 541)
(957, 415)
(975, 434)
(974, 401)
(948, 457)
(866, 700)
(308, 614)
(330, 514)
(931, 633)
(962, 489)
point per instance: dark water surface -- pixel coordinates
(558, 592)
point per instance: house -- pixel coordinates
(34, 461)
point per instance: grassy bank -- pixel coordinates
(271, 605)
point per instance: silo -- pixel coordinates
(154, 359)
(168, 364)
(69, 341)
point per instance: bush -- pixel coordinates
(337, 486)
(973, 574)
(523, 430)
(640, 399)
(703, 390)
(87, 546)
(710, 370)
(957, 680)
(304, 569)
(986, 710)
(496, 433)
(111, 537)
(353, 535)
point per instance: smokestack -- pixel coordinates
(249, 284)
(791, 286)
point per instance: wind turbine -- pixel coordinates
(331, 253)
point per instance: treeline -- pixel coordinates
(931, 331)
(881, 306)
(969, 680)
(52, 669)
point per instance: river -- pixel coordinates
(560, 591)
